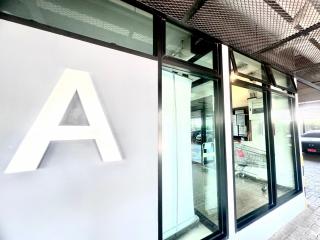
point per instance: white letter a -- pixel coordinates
(46, 127)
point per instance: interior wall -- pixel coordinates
(240, 98)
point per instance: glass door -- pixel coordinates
(282, 123)
(190, 206)
(249, 150)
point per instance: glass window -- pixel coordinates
(250, 67)
(283, 143)
(111, 21)
(189, 171)
(206, 60)
(249, 141)
(282, 80)
(184, 45)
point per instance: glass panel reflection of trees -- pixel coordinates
(189, 181)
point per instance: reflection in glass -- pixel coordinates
(183, 45)
(189, 177)
(250, 160)
(111, 21)
(206, 60)
(282, 79)
(283, 143)
(249, 67)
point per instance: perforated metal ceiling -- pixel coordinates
(285, 33)
(173, 8)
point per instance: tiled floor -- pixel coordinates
(205, 200)
(249, 195)
(306, 226)
(205, 190)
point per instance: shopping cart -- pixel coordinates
(250, 162)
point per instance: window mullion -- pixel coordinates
(272, 181)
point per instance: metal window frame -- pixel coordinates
(296, 160)
(270, 79)
(215, 76)
(274, 201)
(238, 73)
(214, 44)
(257, 213)
(292, 88)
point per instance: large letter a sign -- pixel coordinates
(46, 127)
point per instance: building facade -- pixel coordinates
(121, 123)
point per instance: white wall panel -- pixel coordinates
(74, 195)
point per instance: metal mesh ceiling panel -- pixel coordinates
(242, 24)
(174, 8)
(307, 94)
(285, 33)
(299, 53)
(312, 74)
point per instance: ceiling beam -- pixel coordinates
(316, 82)
(286, 16)
(278, 9)
(197, 4)
(315, 43)
(310, 84)
(290, 38)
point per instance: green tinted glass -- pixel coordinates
(111, 21)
